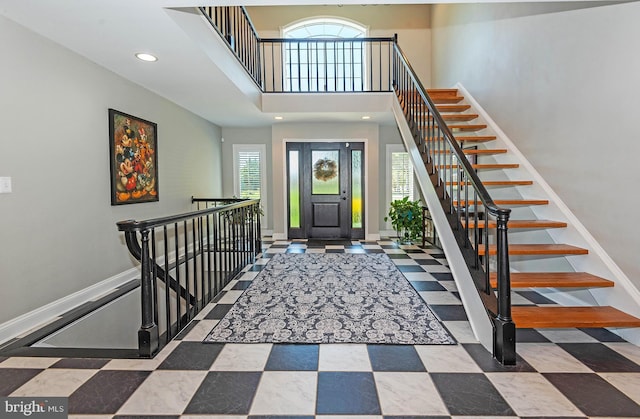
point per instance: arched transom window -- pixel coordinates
(322, 54)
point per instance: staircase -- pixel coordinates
(476, 145)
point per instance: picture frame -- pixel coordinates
(133, 155)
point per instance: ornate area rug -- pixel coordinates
(330, 298)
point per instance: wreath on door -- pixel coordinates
(325, 169)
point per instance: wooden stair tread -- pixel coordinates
(536, 249)
(526, 317)
(468, 138)
(459, 116)
(442, 92)
(518, 224)
(469, 127)
(553, 280)
(453, 108)
(499, 183)
(484, 166)
(506, 202)
(472, 152)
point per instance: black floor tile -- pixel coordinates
(530, 336)
(81, 363)
(487, 363)
(287, 357)
(394, 358)
(347, 393)
(146, 417)
(414, 251)
(373, 251)
(438, 255)
(334, 251)
(416, 417)
(218, 296)
(105, 392)
(442, 276)
(470, 395)
(242, 285)
(410, 268)
(218, 311)
(228, 393)
(593, 395)
(600, 358)
(279, 246)
(192, 356)
(398, 256)
(535, 297)
(13, 378)
(603, 335)
(389, 246)
(267, 255)
(427, 286)
(184, 332)
(447, 312)
(255, 268)
(428, 262)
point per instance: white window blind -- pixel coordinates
(249, 174)
(401, 176)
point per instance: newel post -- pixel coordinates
(504, 341)
(148, 334)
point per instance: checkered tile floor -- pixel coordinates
(560, 373)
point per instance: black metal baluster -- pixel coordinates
(167, 286)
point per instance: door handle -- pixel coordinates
(344, 198)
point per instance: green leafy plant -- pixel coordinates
(406, 219)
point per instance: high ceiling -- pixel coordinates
(109, 32)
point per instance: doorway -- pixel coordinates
(325, 190)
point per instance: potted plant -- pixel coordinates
(406, 219)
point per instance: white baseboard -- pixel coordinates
(27, 322)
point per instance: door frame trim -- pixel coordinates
(323, 140)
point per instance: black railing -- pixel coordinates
(326, 65)
(186, 260)
(234, 25)
(475, 219)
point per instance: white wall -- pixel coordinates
(57, 228)
(410, 22)
(563, 84)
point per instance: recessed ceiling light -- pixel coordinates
(146, 57)
(279, 118)
(366, 117)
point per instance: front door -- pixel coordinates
(325, 190)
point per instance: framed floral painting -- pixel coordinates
(133, 151)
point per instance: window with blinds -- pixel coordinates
(249, 174)
(401, 176)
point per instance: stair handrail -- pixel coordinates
(504, 328)
(222, 239)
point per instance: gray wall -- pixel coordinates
(57, 228)
(562, 82)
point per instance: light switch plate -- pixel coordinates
(5, 185)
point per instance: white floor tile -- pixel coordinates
(344, 357)
(549, 357)
(436, 268)
(28, 362)
(405, 262)
(163, 392)
(242, 357)
(286, 393)
(200, 330)
(461, 330)
(530, 394)
(446, 358)
(54, 382)
(566, 336)
(626, 349)
(439, 297)
(408, 394)
(418, 276)
(230, 297)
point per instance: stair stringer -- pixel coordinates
(624, 295)
(476, 312)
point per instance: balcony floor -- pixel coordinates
(568, 372)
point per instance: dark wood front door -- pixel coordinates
(329, 174)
